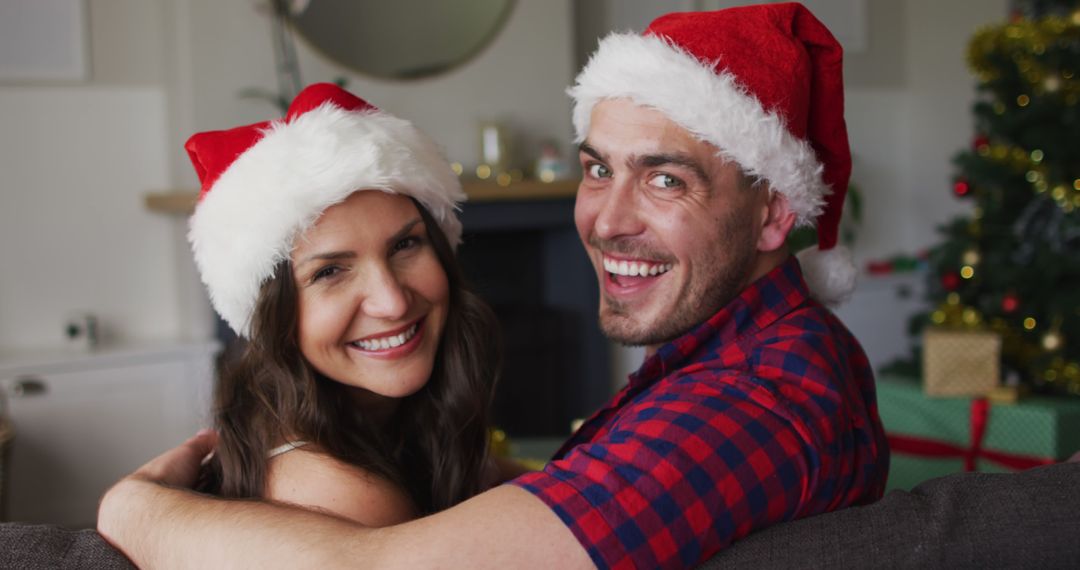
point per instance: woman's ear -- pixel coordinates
(777, 220)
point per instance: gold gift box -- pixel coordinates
(960, 363)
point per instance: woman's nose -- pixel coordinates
(384, 296)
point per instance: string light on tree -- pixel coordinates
(1052, 341)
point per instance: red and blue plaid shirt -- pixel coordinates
(764, 413)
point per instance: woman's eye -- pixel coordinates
(325, 272)
(599, 171)
(665, 181)
(407, 243)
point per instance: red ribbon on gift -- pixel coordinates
(980, 416)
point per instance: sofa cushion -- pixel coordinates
(968, 520)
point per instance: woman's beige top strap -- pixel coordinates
(285, 448)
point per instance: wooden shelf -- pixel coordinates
(482, 191)
(182, 202)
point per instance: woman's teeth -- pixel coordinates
(388, 342)
(634, 268)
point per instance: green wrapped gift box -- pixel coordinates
(1036, 429)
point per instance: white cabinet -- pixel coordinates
(84, 420)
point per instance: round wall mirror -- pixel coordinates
(402, 39)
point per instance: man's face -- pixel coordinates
(668, 224)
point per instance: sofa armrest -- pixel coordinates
(33, 547)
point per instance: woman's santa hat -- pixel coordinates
(763, 84)
(265, 184)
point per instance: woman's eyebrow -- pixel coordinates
(326, 256)
(405, 230)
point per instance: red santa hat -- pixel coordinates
(763, 84)
(265, 184)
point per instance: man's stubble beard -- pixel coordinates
(726, 278)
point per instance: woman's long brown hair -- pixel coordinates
(434, 447)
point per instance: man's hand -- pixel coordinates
(179, 467)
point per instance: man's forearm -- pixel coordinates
(163, 527)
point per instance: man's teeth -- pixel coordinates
(634, 268)
(388, 342)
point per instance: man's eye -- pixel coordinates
(599, 171)
(665, 181)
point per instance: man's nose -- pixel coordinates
(384, 295)
(617, 213)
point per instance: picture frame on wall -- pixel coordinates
(43, 40)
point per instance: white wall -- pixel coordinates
(73, 233)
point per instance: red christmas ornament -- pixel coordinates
(1010, 303)
(980, 142)
(950, 281)
(961, 188)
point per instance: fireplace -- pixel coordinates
(525, 259)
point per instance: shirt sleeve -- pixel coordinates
(682, 473)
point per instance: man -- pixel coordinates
(703, 142)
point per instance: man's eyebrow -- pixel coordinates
(654, 160)
(589, 150)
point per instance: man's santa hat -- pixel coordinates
(265, 184)
(764, 85)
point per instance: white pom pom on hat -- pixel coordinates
(764, 84)
(266, 183)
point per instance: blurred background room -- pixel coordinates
(108, 342)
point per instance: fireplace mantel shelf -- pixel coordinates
(182, 202)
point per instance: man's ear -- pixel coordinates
(777, 220)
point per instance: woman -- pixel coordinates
(326, 240)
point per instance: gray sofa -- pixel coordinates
(969, 520)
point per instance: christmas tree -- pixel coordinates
(1013, 265)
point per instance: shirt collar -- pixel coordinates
(759, 305)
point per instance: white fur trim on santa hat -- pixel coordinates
(245, 225)
(652, 72)
(830, 274)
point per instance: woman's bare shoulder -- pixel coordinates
(314, 480)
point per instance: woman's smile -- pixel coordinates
(392, 344)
